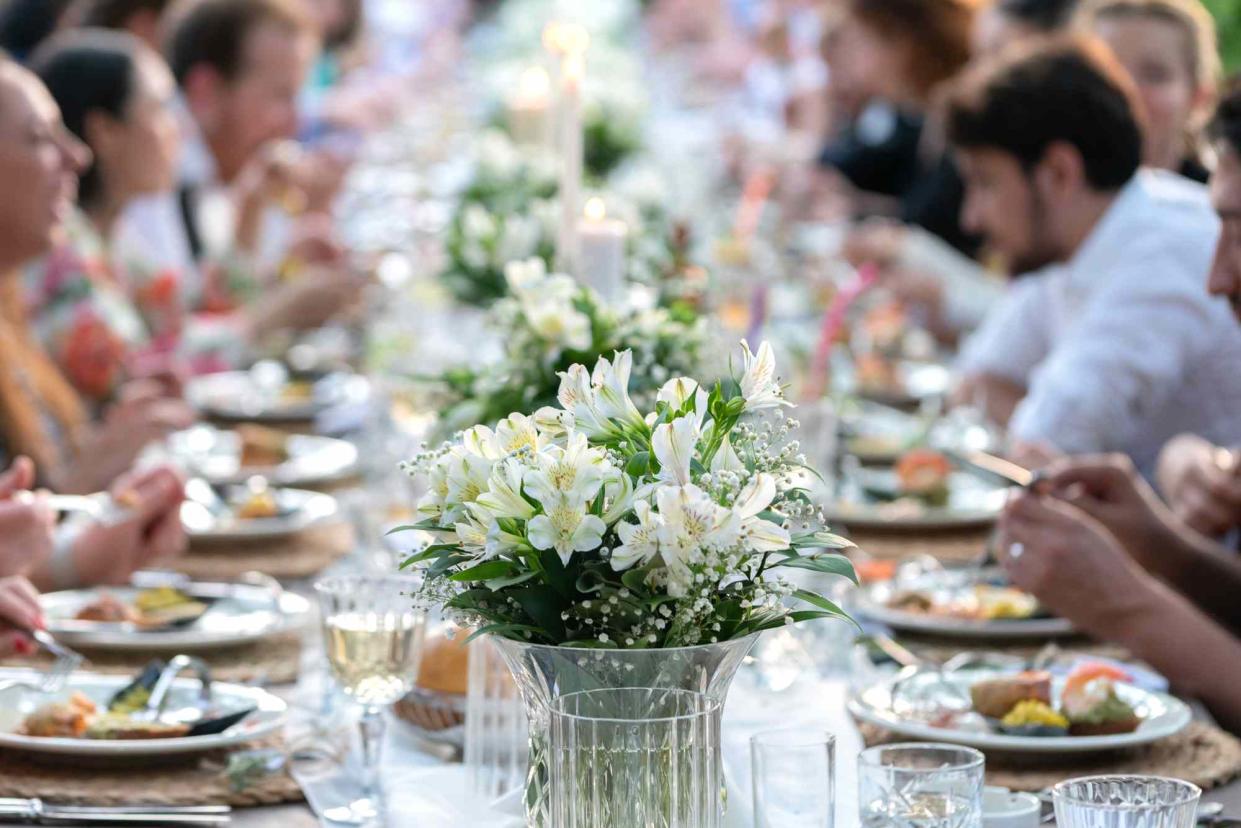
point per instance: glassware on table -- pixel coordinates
(635, 757)
(1126, 802)
(373, 635)
(793, 778)
(496, 733)
(920, 785)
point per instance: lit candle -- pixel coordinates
(601, 251)
(571, 71)
(530, 109)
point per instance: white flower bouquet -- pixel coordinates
(548, 322)
(594, 524)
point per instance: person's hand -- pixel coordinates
(1070, 562)
(308, 301)
(1202, 483)
(151, 536)
(19, 613)
(878, 241)
(1034, 454)
(314, 242)
(25, 527)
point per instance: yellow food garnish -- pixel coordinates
(150, 600)
(132, 702)
(1031, 712)
(1004, 602)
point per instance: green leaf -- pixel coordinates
(497, 584)
(543, 606)
(638, 464)
(635, 581)
(483, 572)
(827, 564)
(502, 630)
(822, 603)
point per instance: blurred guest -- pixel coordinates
(41, 415)
(1168, 48)
(141, 18)
(24, 24)
(1007, 21)
(1200, 479)
(1115, 346)
(901, 51)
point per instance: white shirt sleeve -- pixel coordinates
(970, 291)
(1015, 335)
(1120, 360)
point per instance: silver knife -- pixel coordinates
(989, 464)
(38, 812)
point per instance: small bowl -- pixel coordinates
(1002, 808)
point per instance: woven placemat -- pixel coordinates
(1201, 753)
(939, 650)
(950, 547)
(165, 780)
(275, 659)
(301, 555)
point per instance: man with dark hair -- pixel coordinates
(140, 18)
(1113, 345)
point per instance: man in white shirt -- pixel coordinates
(1114, 345)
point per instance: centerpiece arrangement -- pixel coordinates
(548, 322)
(604, 547)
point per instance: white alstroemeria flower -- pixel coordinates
(756, 496)
(726, 458)
(553, 422)
(674, 444)
(693, 522)
(431, 504)
(759, 535)
(578, 396)
(559, 324)
(481, 440)
(503, 499)
(611, 383)
(764, 536)
(574, 470)
(679, 389)
(477, 223)
(566, 527)
(521, 275)
(618, 493)
(467, 478)
(516, 432)
(758, 383)
(639, 541)
(472, 537)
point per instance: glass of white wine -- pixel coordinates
(373, 635)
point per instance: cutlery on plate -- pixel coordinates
(100, 506)
(38, 812)
(994, 467)
(896, 651)
(67, 661)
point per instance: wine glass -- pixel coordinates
(373, 635)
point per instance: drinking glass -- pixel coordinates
(1126, 802)
(793, 778)
(920, 785)
(373, 635)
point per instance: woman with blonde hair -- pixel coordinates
(1169, 49)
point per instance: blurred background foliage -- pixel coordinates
(1228, 18)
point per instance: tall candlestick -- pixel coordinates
(571, 72)
(601, 251)
(530, 109)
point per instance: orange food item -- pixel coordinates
(922, 471)
(61, 719)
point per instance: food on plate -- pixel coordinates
(157, 607)
(1090, 702)
(297, 391)
(995, 697)
(1031, 717)
(877, 374)
(982, 602)
(258, 504)
(113, 725)
(445, 663)
(1004, 603)
(63, 719)
(924, 474)
(262, 446)
(885, 326)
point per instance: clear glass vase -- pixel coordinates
(546, 675)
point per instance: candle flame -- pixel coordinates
(565, 38)
(535, 84)
(573, 68)
(595, 209)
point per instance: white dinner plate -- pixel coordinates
(1162, 716)
(299, 509)
(918, 381)
(215, 455)
(16, 702)
(244, 395)
(872, 601)
(238, 613)
(972, 501)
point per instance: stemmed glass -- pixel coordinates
(373, 635)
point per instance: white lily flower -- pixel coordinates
(758, 383)
(763, 536)
(472, 536)
(523, 274)
(756, 496)
(516, 432)
(726, 458)
(639, 541)
(477, 222)
(560, 324)
(693, 522)
(566, 527)
(679, 389)
(573, 470)
(467, 478)
(611, 384)
(503, 496)
(578, 396)
(619, 495)
(674, 444)
(481, 440)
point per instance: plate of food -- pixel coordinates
(924, 490)
(1093, 708)
(270, 394)
(193, 616)
(98, 715)
(975, 603)
(899, 382)
(234, 455)
(250, 511)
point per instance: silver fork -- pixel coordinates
(67, 661)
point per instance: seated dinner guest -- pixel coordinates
(141, 18)
(1113, 345)
(41, 416)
